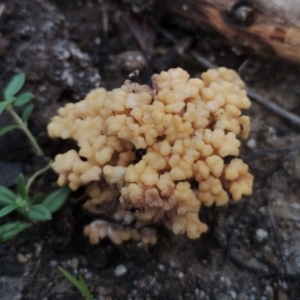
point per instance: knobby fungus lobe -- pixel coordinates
(185, 126)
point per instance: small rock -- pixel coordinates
(284, 285)
(53, 263)
(269, 291)
(62, 286)
(22, 258)
(103, 291)
(261, 235)
(38, 249)
(11, 287)
(88, 275)
(74, 263)
(17, 296)
(202, 295)
(174, 263)
(131, 60)
(222, 297)
(232, 294)
(251, 143)
(97, 41)
(181, 275)
(83, 270)
(161, 267)
(242, 296)
(120, 270)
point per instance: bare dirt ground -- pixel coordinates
(252, 249)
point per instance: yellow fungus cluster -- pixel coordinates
(183, 126)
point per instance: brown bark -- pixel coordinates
(269, 27)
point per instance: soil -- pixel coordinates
(252, 248)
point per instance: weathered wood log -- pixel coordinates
(269, 27)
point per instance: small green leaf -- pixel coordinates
(23, 99)
(7, 128)
(14, 86)
(39, 198)
(22, 186)
(3, 106)
(9, 230)
(10, 100)
(7, 196)
(79, 284)
(56, 199)
(39, 212)
(7, 209)
(21, 202)
(27, 112)
(84, 286)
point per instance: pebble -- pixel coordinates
(38, 249)
(161, 268)
(22, 258)
(271, 129)
(53, 263)
(104, 291)
(74, 263)
(131, 60)
(269, 291)
(97, 41)
(17, 296)
(251, 143)
(202, 295)
(83, 270)
(261, 235)
(284, 285)
(88, 275)
(232, 294)
(242, 296)
(174, 264)
(181, 275)
(120, 270)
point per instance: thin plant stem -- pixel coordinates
(36, 174)
(23, 127)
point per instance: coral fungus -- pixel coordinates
(183, 126)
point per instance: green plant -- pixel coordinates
(78, 283)
(39, 207)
